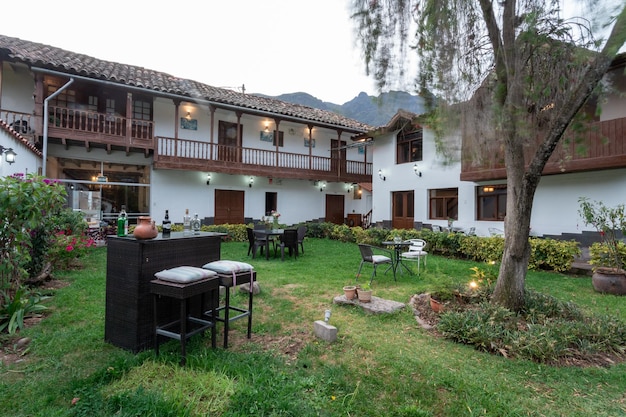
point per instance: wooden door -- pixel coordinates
(403, 212)
(228, 140)
(337, 156)
(334, 208)
(229, 207)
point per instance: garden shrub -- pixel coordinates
(552, 254)
(26, 205)
(547, 331)
(601, 254)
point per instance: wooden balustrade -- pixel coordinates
(100, 125)
(180, 152)
(20, 122)
(602, 145)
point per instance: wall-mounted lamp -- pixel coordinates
(417, 171)
(488, 189)
(9, 154)
(380, 175)
(267, 127)
(208, 179)
(188, 115)
(348, 188)
(322, 186)
(250, 182)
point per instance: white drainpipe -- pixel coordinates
(45, 123)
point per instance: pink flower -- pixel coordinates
(69, 248)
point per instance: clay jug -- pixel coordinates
(146, 228)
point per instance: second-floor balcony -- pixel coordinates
(106, 129)
(602, 145)
(202, 156)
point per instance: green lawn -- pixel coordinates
(381, 365)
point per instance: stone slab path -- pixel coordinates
(376, 306)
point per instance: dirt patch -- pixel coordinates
(288, 345)
(428, 319)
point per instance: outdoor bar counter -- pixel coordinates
(131, 265)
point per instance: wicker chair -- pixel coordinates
(369, 257)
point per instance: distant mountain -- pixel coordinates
(375, 111)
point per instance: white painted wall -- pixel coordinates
(26, 161)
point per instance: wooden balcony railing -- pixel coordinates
(601, 146)
(20, 122)
(191, 154)
(106, 128)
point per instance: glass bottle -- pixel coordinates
(186, 223)
(195, 224)
(167, 224)
(122, 223)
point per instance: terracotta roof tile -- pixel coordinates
(49, 57)
(19, 137)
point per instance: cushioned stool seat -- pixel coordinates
(232, 274)
(183, 283)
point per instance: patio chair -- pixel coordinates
(301, 235)
(495, 232)
(369, 257)
(255, 242)
(415, 253)
(288, 240)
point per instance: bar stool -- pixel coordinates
(184, 283)
(232, 274)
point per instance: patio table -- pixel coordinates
(268, 234)
(398, 248)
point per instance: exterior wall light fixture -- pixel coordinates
(208, 179)
(322, 186)
(381, 176)
(250, 182)
(417, 171)
(9, 154)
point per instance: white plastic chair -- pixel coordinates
(415, 253)
(495, 231)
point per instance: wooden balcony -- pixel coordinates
(202, 156)
(601, 146)
(100, 129)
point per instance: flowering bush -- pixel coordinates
(275, 214)
(67, 248)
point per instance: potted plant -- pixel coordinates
(608, 255)
(364, 293)
(349, 291)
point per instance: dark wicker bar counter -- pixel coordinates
(131, 265)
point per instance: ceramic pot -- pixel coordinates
(146, 228)
(349, 291)
(435, 305)
(609, 281)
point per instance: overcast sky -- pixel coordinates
(270, 46)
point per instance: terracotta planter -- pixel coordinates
(349, 291)
(609, 281)
(435, 305)
(146, 228)
(364, 296)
